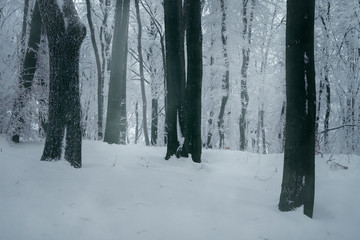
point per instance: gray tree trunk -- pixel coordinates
(116, 121)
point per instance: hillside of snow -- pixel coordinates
(132, 193)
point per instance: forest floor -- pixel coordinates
(132, 193)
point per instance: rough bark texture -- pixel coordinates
(142, 77)
(174, 72)
(299, 160)
(65, 35)
(192, 143)
(116, 121)
(100, 94)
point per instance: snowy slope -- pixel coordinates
(131, 192)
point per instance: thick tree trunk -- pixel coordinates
(225, 81)
(299, 160)
(175, 72)
(100, 94)
(116, 121)
(192, 143)
(65, 35)
(28, 69)
(142, 77)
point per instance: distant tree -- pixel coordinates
(244, 95)
(226, 77)
(141, 71)
(116, 121)
(100, 94)
(192, 142)
(28, 68)
(299, 161)
(65, 35)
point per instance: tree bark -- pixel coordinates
(142, 77)
(298, 186)
(246, 36)
(225, 81)
(65, 35)
(175, 72)
(100, 94)
(192, 142)
(116, 121)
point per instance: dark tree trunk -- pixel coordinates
(154, 121)
(100, 93)
(28, 69)
(65, 35)
(225, 81)
(142, 77)
(299, 160)
(116, 121)
(192, 142)
(175, 72)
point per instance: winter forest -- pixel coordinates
(179, 119)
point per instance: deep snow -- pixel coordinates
(131, 192)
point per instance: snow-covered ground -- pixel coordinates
(131, 192)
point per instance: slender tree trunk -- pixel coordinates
(116, 121)
(246, 35)
(65, 35)
(192, 143)
(299, 160)
(175, 74)
(28, 69)
(136, 122)
(142, 78)
(225, 81)
(24, 27)
(100, 93)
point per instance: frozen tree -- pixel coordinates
(65, 34)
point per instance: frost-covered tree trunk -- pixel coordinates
(299, 160)
(65, 35)
(192, 142)
(244, 95)
(28, 69)
(325, 73)
(175, 72)
(116, 121)
(142, 77)
(225, 81)
(100, 94)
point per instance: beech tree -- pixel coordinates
(116, 121)
(298, 184)
(65, 35)
(175, 72)
(192, 142)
